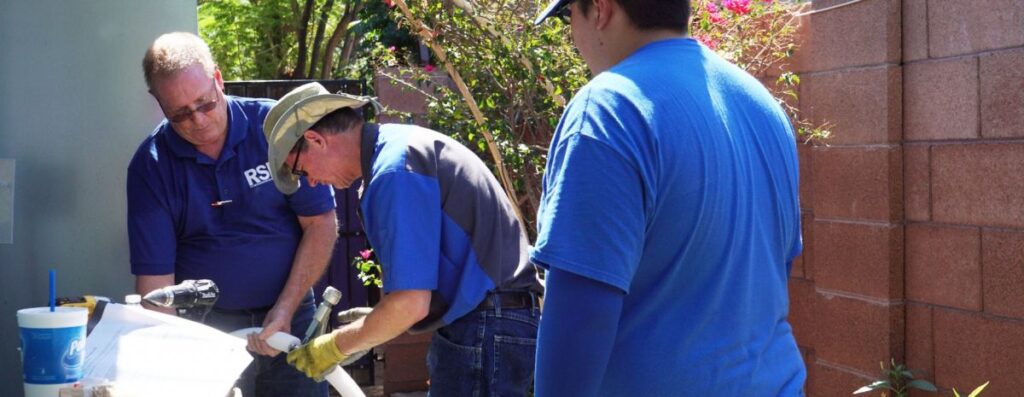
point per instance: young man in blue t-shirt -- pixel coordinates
(679, 286)
(202, 205)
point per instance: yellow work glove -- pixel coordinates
(316, 357)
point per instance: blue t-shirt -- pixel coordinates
(673, 178)
(439, 221)
(246, 246)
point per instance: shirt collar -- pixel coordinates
(368, 143)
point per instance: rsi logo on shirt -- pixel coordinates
(258, 175)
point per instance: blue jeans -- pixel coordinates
(488, 352)
(270, 376)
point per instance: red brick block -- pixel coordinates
(944, 266)
(978, 184)
(809, 360)
(804, 156)
(941, 99)
(857, 333)
(865, 33)
(406, 95)
(831, 380)
(1002, 94)
(917, 182)
(920, 357)
(863, 183)
(801, 311)
(859, 258)
(964, 27)
(865, 106)
(915, 30)
(971, 348)
(1002, 259)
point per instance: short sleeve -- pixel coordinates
(591, 221)
(152, 240)
(310, 201)
(402, 211)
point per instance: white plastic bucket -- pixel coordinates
(52, 348)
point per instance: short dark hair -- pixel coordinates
(653, 14)
(338, 121)
(333, 123)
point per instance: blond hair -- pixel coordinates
(173, 52)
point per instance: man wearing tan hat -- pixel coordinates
(200, 206)
(453, 253)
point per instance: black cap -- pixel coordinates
(553, 7)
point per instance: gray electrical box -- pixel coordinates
(6, 201)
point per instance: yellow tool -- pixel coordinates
(86, 301)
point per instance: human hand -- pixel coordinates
(352, 315)
(276, 321)
(317, 357)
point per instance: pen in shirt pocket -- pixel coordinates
(220, 203)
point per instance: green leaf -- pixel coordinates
(921, 384)
(977, 391)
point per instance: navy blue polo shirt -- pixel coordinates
(247, 243)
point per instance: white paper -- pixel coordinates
(145, 353)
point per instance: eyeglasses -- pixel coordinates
(295, 164)
(564, 14)
(203, 108)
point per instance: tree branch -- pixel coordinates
(427, 35)
(340, 32)
(319, 37)
(300, 65)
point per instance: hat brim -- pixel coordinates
(552, 7)
(292, 124)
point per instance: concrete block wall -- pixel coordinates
(914, 211)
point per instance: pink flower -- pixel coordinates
(429, 68)
(391, 49)
(389, 3)
(365, 254)
(713, 14)
(767, 1)
(741, 7)
(707, 41)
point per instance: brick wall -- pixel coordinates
(914, 211)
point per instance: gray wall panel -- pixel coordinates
(73, 108)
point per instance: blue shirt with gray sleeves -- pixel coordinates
(439, 221)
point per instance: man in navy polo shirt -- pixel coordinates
(202, 205)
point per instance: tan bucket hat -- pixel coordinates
(291, 117)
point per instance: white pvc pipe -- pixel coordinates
(337, 377)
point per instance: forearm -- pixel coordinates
(311, 258)
(576, 335)
(394, 314)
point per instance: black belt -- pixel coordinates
(509, 300)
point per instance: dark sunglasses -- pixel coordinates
(204, 108)
(295, 164)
